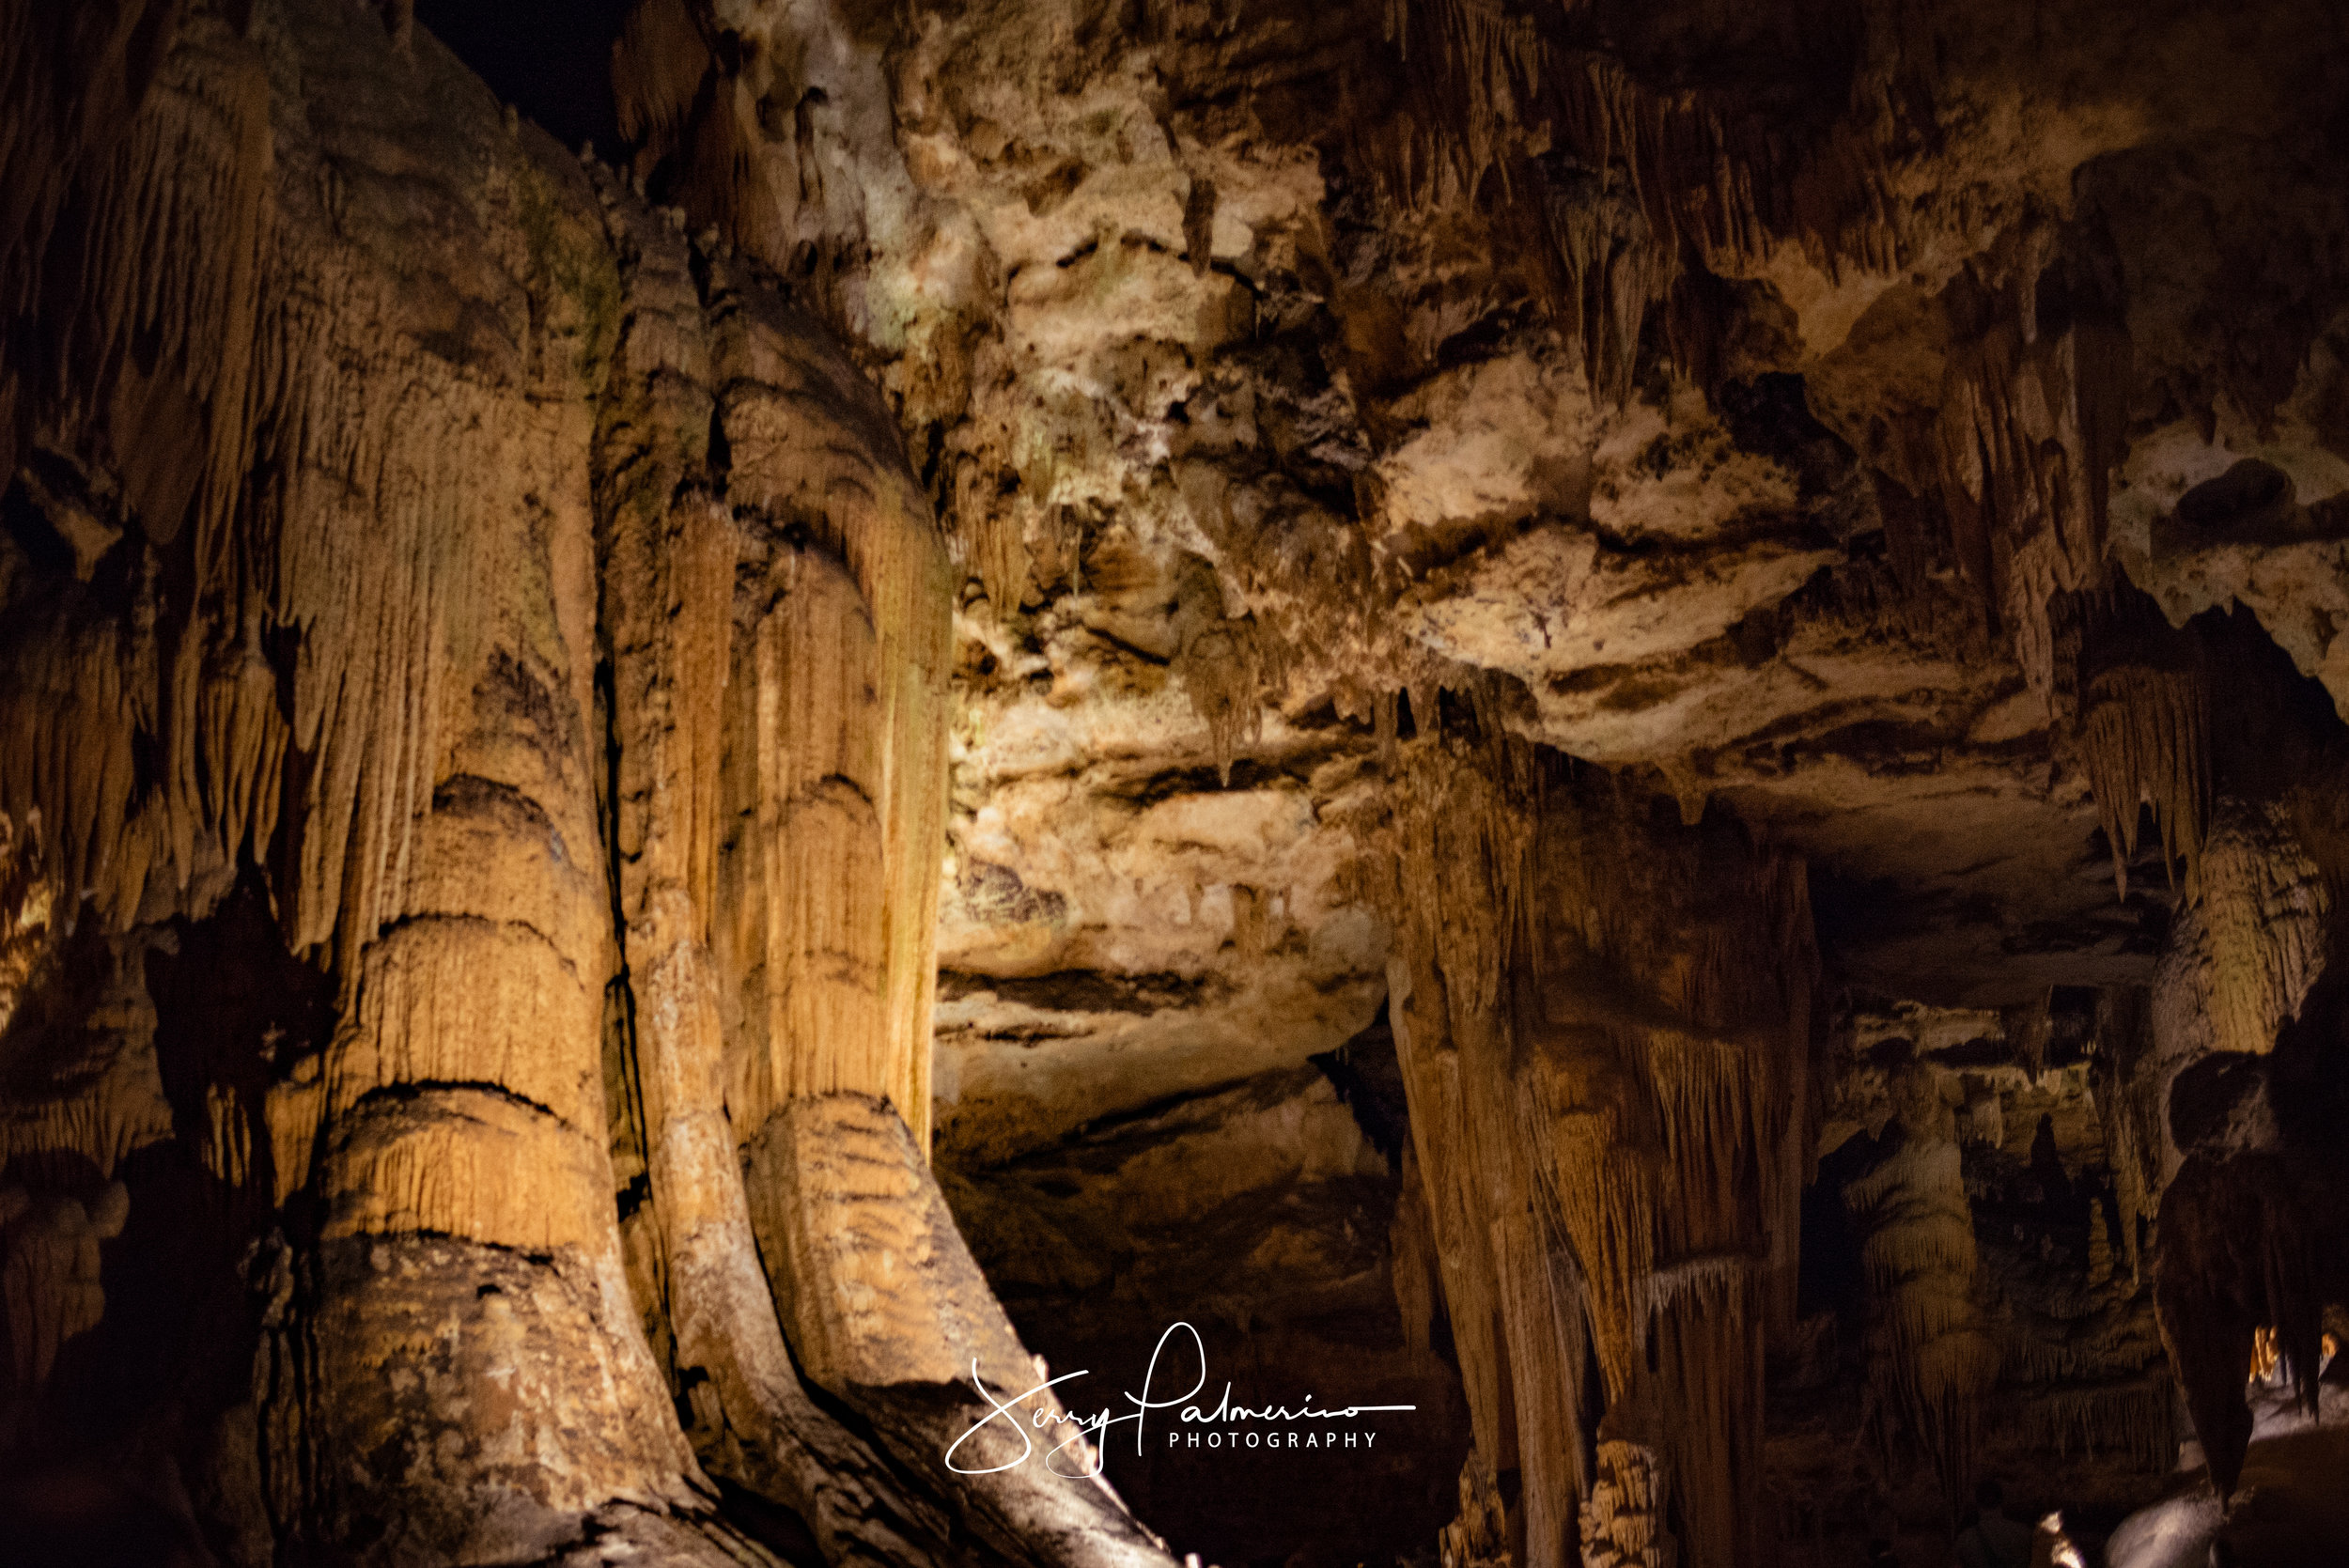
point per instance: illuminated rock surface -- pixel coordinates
(1625, 721)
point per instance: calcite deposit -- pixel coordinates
(1620, 729)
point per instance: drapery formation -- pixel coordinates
(1608, 1058)
(474, 772)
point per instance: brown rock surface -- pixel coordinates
(1625, 720)
(524, 592)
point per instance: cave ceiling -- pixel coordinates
(1737, 400)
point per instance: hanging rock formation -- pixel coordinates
(1605, 1055)
(1623, 722)
(479, 796)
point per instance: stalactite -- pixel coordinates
(51, 1284)
(821, 781)
(369, 677)
(2145, 739)
(2128, 1114)
(1495, 59)
(167, 240)
(994, 532)
(2028, 1029)
(1604, 1204)
(1491, 97)
(2029, 430)
(1981, 1121)
(1506, 1296)
(76, 94)
(2261, 924)
(27, 911)
(1576, 1026)
(1479, 1536)
(778, 681)
(259, 367)
(1616, 268)
(755, 146)
(1709, 1338)
(1417, 1009)
(1623, 1518)
(2249, 1239)
(2239, 1067)
(670, 556)
(2134, 1423)
(1416, 1270)
(1219, 661)
(857, 650)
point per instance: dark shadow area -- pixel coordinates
(1828, 1277)
(1368, 1075)
(552, 59)
(84, 1516)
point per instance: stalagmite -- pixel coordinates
(1932, 1359)
(669, 589)
(789, 738)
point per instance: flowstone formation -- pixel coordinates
(1605, 1054)
(475, 678)
(1625, 721)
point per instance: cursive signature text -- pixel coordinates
(1078, 1442)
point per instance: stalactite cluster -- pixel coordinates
(1256, 627)
(1605, 1057)
(2146, 744)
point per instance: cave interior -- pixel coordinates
(1087, 783)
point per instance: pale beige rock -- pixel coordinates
(875, 1284)
(430, 366)
(539, 620)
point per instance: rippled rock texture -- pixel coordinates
(476, 717)
(1623, 720)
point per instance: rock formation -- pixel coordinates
(476, 720)
(1626, 723)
